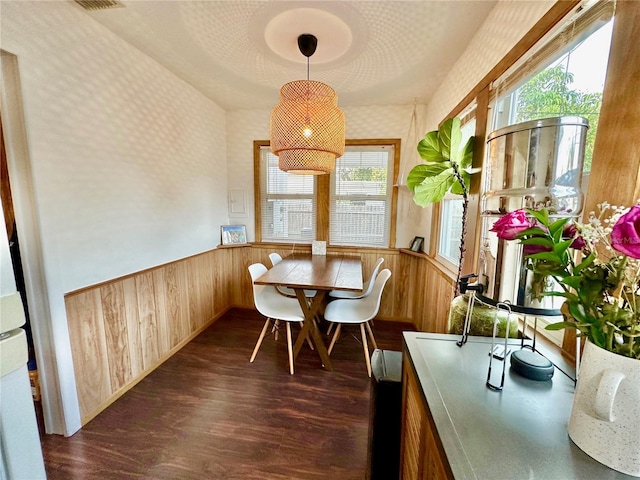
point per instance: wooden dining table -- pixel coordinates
(322, 273)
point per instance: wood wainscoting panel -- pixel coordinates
(175, 289)
(205, 284)
(196, 308)
(429, 292)
(133, 326)
(439, 288)
(222, 283)
(89, 349)
(123, 329)
(147, 316)
(162, 316)
(116, 335)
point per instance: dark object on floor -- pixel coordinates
(385, 414)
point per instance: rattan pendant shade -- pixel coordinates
(307, 128)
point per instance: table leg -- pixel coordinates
(311, 327)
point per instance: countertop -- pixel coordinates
(517, 433)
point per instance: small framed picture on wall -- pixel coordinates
(416, 244)
(233, 234)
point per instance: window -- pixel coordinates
(288, 202)
(354, 206)
(360, 203)
(450, 228)
(563, 75)
(565, 78)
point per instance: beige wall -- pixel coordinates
(123, 153)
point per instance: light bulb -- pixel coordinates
(307, 132)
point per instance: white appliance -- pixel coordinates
(20, 450)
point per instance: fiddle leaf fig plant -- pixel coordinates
(447, 169)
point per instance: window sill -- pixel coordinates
(414, 254)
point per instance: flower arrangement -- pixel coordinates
(596, 265)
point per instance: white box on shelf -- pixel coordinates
(318, 248)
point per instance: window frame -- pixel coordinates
(323, 192)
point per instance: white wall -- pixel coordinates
(507, 23)
(128, 166)
(245, 126)
(129, 161)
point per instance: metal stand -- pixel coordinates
(467, 319)
(464, 287)
(500, 355)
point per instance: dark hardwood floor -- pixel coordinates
(207, 413)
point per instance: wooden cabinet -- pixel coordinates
(422, 456)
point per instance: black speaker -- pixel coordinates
(385, 415)
(531, 365)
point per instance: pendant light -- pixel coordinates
(307, 127)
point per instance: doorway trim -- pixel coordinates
(45, 299)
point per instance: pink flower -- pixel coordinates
(571, 231)
(625, 235)
(511, 224)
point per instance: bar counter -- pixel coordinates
(456, 427)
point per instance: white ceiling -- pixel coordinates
(370, 52)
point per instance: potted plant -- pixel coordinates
(447, 169)
(602, 302)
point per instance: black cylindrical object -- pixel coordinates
(385, 415)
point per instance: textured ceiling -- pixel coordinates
(398, 51)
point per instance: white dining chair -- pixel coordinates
(366, 289)
(358, 311)
(275, 307)
(289, 292)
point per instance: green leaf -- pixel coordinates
(429, 148)
(457, 188)
(544, 241)
(549, 256)
(558, 225)
(560, 325)
(561, 248)
(466, 157)
(450, 136)
(533, 232)
(584, 264)
(433, 189)
(569, 296)
(420, 172)
(541, 215)
(573, 282)
(578, 312)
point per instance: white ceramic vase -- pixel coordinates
(605, 416)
